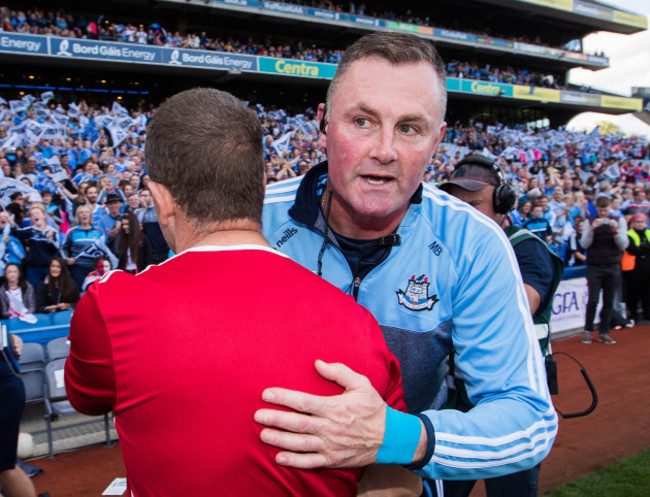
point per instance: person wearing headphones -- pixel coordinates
(440, 279)
(478, 181)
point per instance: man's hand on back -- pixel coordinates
(340, 431)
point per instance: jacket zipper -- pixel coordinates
(355, 287)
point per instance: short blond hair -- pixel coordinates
(82, 208)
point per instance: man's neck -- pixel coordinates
(344, 221)
(365, 231)
(222, 234)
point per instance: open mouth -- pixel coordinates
(377, 180)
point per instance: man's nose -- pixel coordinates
(383, 149)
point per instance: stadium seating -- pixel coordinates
(32, 372)
(59, 348)
(34, 382)
(46, 328)
(42, 376)
(57, 404)
(136, 32)
(16, 325)
(32, 357)
(61, 318)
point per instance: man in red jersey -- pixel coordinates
(182, 351)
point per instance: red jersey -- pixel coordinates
(182, 352)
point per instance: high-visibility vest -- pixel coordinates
(542, 317)
(628, 261)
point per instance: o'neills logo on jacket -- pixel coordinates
(288, 233)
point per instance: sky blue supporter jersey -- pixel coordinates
(453, 281)
(78, 243)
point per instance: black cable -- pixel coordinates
(319, 271)
(592, 389)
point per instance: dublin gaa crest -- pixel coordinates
(416, 297)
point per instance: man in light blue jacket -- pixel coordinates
(440, 278)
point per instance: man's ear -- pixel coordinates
(163, 202)
(321, 117)
(441, 135)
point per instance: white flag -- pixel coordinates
(281, 145)
(119, 110)
(97, 249)
(8, 186)
(17, 106)
(28, 99)
(58, 171)
(73, 110)
(118, 135)
(47, 96)
(14, 140)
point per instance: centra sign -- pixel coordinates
(485, 88)
(300, 69)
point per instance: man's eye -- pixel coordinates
(362, 122)
(407, 129)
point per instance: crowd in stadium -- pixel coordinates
(79, 155)
(74, 187)
(39, 22)
(62, 24)
(508, 75)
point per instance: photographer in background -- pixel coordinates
(605, 238)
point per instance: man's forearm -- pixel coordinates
(621, 238)
(587, 236)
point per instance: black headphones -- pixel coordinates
(504, 196)
(323, 121)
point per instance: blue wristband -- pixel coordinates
(401, 438)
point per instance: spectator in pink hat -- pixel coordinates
(636, 266)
